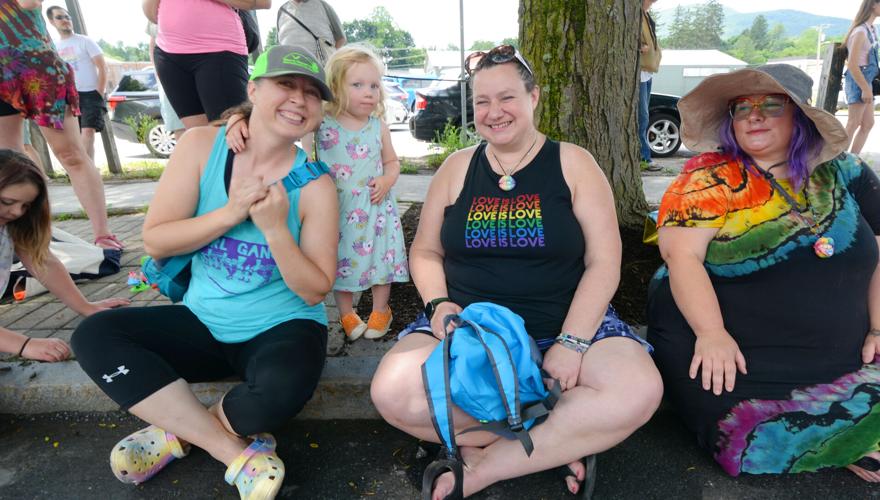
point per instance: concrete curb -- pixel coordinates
(30, 388)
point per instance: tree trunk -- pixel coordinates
(585, 57)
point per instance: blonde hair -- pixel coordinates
(32, 231)
(337, 69)
(865, 12)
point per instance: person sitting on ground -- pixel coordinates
(25, 231)
(559, 277)
(766, 315)
(263, 260)
(38, 85)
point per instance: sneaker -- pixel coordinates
(650, 166)
(378, 324)
(257, 472)
(143, 454)
(353, 325)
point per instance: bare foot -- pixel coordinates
(575, 477)
(869, 476)
(445, 483)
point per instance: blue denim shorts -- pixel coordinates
(851, 88)
(612, 326)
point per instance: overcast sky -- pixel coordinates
(431, 23)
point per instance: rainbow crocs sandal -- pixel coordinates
(257, 472)
(141, 455)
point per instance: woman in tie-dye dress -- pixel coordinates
(766, 317)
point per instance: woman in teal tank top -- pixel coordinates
(264, 257)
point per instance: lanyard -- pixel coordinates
(795, 207)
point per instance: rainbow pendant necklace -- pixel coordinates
(507, 182)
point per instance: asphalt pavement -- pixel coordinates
(65, 456)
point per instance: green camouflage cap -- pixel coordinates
(281, 60)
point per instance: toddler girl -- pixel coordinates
(356, 144)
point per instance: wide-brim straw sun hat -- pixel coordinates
(704, 108)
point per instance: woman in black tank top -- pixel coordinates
(530, 224)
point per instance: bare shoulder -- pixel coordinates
(449, 178)
(319, 189)
(579, 166)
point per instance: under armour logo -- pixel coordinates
(122, 370)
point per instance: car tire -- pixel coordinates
(160, 141)
(664, 135)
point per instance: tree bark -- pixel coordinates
(585, 58)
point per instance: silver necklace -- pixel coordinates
(507, 182)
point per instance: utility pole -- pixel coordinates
(463, 84)
(107, 137)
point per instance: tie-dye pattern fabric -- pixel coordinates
(371, 246)
(33, 78)
(827, 425)
(799, 321)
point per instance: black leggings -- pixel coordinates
(207, 83)
(135, 351)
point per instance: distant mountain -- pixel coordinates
(794, 21)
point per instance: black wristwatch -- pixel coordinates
(432, 304)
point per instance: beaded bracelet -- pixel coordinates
(874, 332)
(573, 342)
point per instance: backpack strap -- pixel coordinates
(435, 376)
(504, 369)
(300, 174)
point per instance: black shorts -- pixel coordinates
(207, 83)
(6, 109)
(133, 352)
(92, 107)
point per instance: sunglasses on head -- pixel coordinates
(769, 106)
(62, 17)
(499, 55)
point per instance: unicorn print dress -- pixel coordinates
(371, 246)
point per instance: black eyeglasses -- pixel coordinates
(499, 55)
(62, 18)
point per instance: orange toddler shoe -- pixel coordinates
(378, 324)
(353, 325)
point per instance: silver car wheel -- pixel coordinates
(160, 141)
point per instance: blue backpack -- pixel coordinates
(171, 275)
(490, 368)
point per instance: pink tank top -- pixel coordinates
(199, 26)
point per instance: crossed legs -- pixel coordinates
(618, 390)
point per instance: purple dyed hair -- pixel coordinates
(805, 142)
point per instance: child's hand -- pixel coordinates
(379, 187)
(243, 193)
(46, 350)
(270, 213)
(237, 133)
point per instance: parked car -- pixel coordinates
(411, 83)
(138, 94)
(437, 106)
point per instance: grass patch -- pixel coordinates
(133, 170)
(111, 212)
(408, 167)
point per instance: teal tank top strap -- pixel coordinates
(217, 159)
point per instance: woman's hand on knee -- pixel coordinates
(871, 348)
(564, 365)
(720, 358)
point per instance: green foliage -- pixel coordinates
(698, 27)
(511, 41)
(140, 125)
(408, 168)
(121, 52)
(482, 45)
(271, 38)
(394, 44)
(450, 141)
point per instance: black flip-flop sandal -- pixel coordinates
(443, 464)
(870, 464)
(585, 491)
